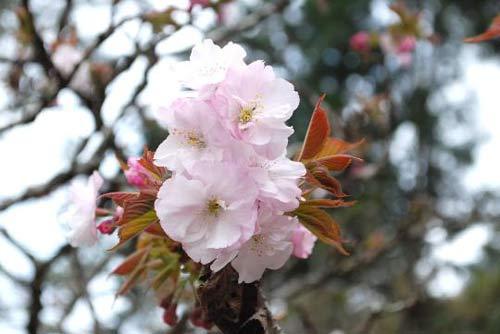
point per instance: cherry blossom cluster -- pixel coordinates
(231, 187)
(232, 183)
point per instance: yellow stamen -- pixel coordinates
(246, 114)
(213, 207)
(195, 140)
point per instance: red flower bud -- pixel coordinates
(360, 42)
(170, 315)
(198, 319)
(106, 227)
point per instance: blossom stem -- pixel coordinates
(235, 308)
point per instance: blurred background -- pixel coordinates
(82, 81)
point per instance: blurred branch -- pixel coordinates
(30, 116)
(41, 272)
(223, 35)
(17, 245)
(82, 281)
(10, 276)
(397, 307)
(63, 21)
(82, 289)
(39, 46)
(61, 178)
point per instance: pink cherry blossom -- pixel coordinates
(360, 41)
(269, 248)
(195, 135)
(256, 106)
(209, 63)
(231, 180)
(303, 242)
(81, 213)
(215, 205)
(278, 182)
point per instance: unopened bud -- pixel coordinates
(170, 315)
(106, 227)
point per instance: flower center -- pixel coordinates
(195, 140)
(246, 114)
(258, 244)
(214, 206)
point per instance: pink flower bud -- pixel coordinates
(136, 174)
(407, 44)
(106, 227)
(118, 213)
(360, 42)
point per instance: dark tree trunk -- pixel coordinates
(235, 308)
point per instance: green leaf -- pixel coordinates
(135, 226)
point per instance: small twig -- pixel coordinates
(41, 272)
(18, 246)
(63, 21)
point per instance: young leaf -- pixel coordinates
(320, 177)
(131, 262)
(169, 270)
(492, 32)
(317, 132)
(136, 207)
(147, 161)
(156, 229)
(134, 277)
(120, 198)
(334, 146)
(328, 203)
(322, 225)
(135, 226)
(337, 162)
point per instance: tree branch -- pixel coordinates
(235, 308)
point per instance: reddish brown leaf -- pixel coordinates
(328, 203)
(322, 225)
(120, 198)
(317, 132)
(334, 146)
(492, 32)
(134, 277)
(131, 262)
(147, 161)
(137, 207)
(337, 162)
(320, 177)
